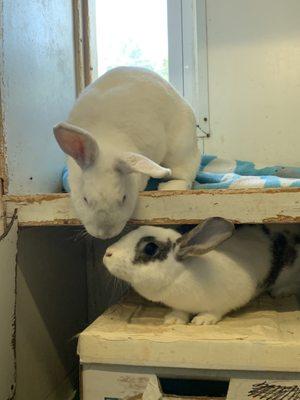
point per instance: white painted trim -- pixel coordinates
(167, 207)
(78, 45)
(188, 60)
(202, 81)
(175, 44)
(92, 61)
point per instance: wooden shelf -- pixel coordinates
(171, 207)
(264, 336)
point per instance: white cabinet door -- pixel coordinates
(8, 251)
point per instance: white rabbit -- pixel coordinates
(208, 271)
(127, 126)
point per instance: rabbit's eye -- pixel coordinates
(124, 199)
(85, 200)
(151, 249)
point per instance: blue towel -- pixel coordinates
(65, 180)
(218, 173)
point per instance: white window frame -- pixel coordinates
(188, 59)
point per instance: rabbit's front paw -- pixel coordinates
(175, 184)
(176, 317)
(205, 319)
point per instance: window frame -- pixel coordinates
(188, 57)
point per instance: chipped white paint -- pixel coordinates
(8, 250)
(261, 337)
(43, 210)
(100, 384)
(241, 206)
(153, 390)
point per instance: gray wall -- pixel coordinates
(51, 309)
(103, 288)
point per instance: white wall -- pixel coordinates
(254, 79)
(38, 77)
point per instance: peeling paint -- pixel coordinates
(54, 222)
(282, 219)
(168, 193)
(171, 207)
(36, 198)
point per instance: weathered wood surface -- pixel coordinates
(44, 209)
(173, 207)
(265, 336)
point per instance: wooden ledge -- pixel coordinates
(171, 207)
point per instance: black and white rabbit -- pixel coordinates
(127, 126)
(209, 271)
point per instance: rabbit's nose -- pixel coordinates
(108, 254)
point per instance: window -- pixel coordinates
(167, 36)
(229, 59)
(132, 32)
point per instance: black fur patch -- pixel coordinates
(283, 255)
(141, 255)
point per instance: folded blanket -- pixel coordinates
(218, 173)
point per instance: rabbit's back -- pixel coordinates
(134, 103)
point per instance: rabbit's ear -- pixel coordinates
(204, 237)
(77, 143)
(133, 162)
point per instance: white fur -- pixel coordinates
(208, 286)
(129, 112)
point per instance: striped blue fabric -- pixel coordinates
(218, 173)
